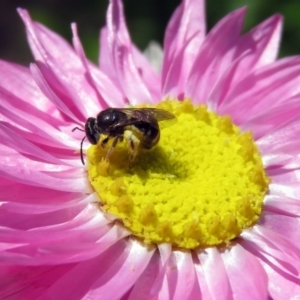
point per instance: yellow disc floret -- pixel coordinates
(200, 186)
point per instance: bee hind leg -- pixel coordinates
(133, 144)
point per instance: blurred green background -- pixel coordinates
(146, 20)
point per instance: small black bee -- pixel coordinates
(138, 126)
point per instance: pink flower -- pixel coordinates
(57, 243)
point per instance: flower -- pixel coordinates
(58, 242)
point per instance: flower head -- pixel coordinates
(210, 212)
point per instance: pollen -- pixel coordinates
(200, 186)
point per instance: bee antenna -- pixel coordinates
(81, 152)
(77, 128)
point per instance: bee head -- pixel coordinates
(91, 130)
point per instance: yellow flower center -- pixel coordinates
(200, 186)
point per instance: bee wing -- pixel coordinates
(147, 114)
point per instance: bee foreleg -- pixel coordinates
(104, 142)
(133, 144)
(112, 147)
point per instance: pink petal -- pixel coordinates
(42, 82)
(253, 50)
(47, 282)
(160, 285)
(180, 274)
(144, 66)
(20, 198)
(280, 150)
(11, 139)
(120, 274)
(143, 286)
(267, 121)
(23, 115)
(285, 135)
(246, 275)
(184, 36)
(18, 81)
(285, 174)
(81, 55)
(215, 274)
(282, 205)
(106, 91)
(120, 51)
(147, 73)
(263, 89)
(283, 223)
(276, 249)
(210, 65)
(85, 236)
(20, 168)
(204, 290)
(64, 76)
(286, 189)
(280, 287)
(106, 63)
(24, 282)
(264, 41)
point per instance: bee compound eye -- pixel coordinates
(91, 131)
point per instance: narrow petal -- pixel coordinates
(43, 84)
(245, 273)
(275, 248)
(280, 286)
(147, 73)
(10, 138)
(253, 50)
(215, 274)
(287, 189)
(64, 76)
(145, 69)
(19, 115)
(210, 65)
(81, 55)
(204, 290)
(279, 150)
(160, 285)
(143, 287)
(263, 89)
(184, 36)
(30, 116)
(181, 275)
(267, 121)
(22, 169)
(121, 55)
(282, 222)
(21, 198)
(105, 59)
(264, 41)
(83, 237)
(29, 282)
(18, 80)
(79, 286)
(282, 205)
(121, 274)
(286, 174)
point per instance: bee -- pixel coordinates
(137, 126)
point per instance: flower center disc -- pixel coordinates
(200, 186)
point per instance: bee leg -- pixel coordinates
(104, 142)
(112, 147)
(133, 144)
